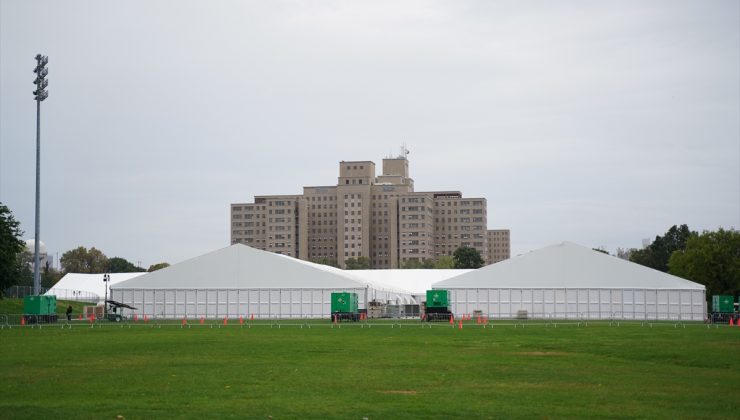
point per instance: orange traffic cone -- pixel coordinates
(241, 320)
(452, 321)
(23, 320)
(146, 319)
(226, 320)
(202, 320)
(485, 320)
(478, 320)
(460, 325)
(251, 317)
(136, 317)
(732, 322)
(184, 321)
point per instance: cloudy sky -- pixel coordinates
(598, 122)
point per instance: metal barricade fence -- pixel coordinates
(19, 292)
(258, 320)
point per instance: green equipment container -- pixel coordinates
(344, 302)
(438, 299)
(40, 309)
(723, 304)
(40, 305)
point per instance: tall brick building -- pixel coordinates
(380, 217)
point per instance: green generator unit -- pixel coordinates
(438, 305)
(344, 306)
(40, 309)
(723, 304)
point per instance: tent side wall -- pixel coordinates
(592, 303)
(274, 303)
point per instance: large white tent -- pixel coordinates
(574, 282)
(86, 287)
(244, 281)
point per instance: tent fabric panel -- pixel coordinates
(234, 303)
(638, 304)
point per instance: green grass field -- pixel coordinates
(380, 372)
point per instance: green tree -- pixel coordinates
(657, 254)
(326, 261)
(122, 265)
(24, 269)
(359, 263)
(444, 262)
(466, 257)
(158, 266)
(11, 246)
(411, 264)
(416, 264)
(80, 260)
(712, 259)
(50, 277)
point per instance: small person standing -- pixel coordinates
(69, 313)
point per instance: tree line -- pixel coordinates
(16, 262)
(463, 257)
(710, 258)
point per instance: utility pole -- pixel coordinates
(39, 95)
(106, 280)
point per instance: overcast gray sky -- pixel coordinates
(598, 122)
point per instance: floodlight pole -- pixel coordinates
(106, 279)
(39, 95)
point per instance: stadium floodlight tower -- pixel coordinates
(39, 95)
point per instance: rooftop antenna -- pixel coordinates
(404, 152)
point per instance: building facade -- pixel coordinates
(499, 245)
(379, 217)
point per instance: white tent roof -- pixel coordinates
(88, 283)
(567, 265)
(240, 266)
(353, 275)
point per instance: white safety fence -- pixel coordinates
(9, 321)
